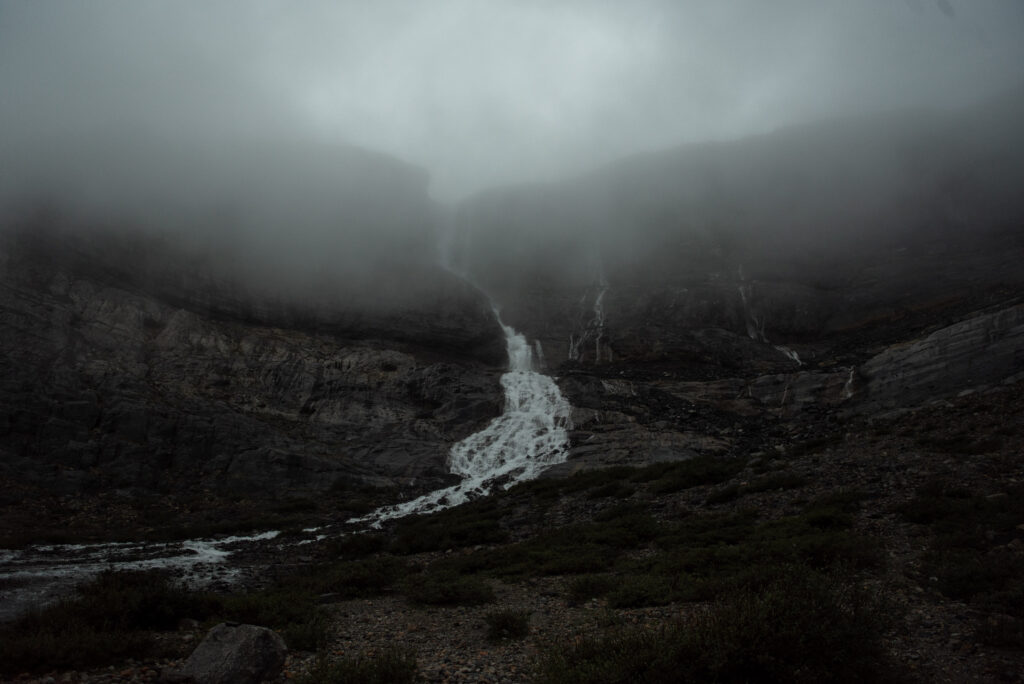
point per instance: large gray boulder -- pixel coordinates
(234, 654)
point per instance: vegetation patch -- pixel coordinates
(976, 552)
(587, 587)
(470, 524)
(801, 627)
(507, 624)
(111, 618)
(666, 478)
(772, 482)
(393, 666)
(360, 578)
(445, 588)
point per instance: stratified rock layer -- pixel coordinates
(109, 381)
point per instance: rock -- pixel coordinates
(979, 350)
(167, 382)
(234, 654)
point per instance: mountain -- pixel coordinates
(275, 327)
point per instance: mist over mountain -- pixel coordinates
(710, 263)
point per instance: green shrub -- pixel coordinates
(666, 478)
(108, 619)
(443, 588)
(618, 490)
(586, 587)
(729, 492)
(803, 627)
(357, 545)
(507, 624)
(393, 666)
(353, 579)
(968, 552)
(470, 524)
(635, 591)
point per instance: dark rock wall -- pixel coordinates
(112, 377)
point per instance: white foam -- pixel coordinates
(530, 435)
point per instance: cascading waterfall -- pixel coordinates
(755, 325)
(593, 328)
(530, 435)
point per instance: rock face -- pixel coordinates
(112, 378)
(981, 350)
(235, 654)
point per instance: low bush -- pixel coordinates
(111, 617)
(972, 552)
(666, 478)
(292, 611)
(507, 624)
(393, 666)
(470, 524)
(587, 587)
(443, 588)
(370, 576)
(802, 627)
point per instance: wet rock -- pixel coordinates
(980, 350)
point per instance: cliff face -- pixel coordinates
(109, 382)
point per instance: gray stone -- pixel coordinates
(980, 350)
(235, 654)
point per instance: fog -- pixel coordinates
(335, 123)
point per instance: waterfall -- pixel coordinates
(530, 435)
(594, 328)
(755, 325)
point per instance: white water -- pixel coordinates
(593, 328)
(529, 436)
(755, 325)
(848, 386)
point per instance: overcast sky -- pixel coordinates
(488, 92)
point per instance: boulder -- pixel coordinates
(234, 654)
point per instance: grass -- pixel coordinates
(620, 481)
(800, 627)
(666, 478)
(445, 588)
(507, 624)
(111, 618)
(586, 587)
(772, 482)
(634, 560)
(470, 524)
(972, 552)
(393, 666)
(117, 614)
